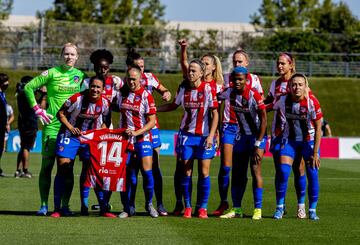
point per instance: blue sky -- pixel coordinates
(186, 10)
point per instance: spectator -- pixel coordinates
(10, 119)
(4, 83)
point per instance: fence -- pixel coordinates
(38, 47)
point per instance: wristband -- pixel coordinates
(257, 143)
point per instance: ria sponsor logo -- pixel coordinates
(103, 171)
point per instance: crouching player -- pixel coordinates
(82, 111)
(301, 113)
(249, 108)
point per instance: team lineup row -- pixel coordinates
(77, 104)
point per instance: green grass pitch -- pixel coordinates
(339, 208)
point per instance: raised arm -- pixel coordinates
(183, 57)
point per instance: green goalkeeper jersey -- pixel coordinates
(61, 83)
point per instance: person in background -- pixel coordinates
(10, 120)
(325, 128)
(27, 126)
(4, 83)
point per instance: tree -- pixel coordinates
(5, 8)
(284, 13)
(143, 12)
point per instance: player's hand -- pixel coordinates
(256, 157)
(183, 43)
(75, 131)
(166, 96)
(315, 161)
(209, 142)
(131, 132)
(45, 118)
(8, 128)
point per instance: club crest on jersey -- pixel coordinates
(303, 109)
(137, 98)
(45, 73)
(98, 109)
(108, 86)
(76, 79)
(67, 103)
(61, 148)
(200, 95)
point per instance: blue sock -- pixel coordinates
(223, 181)
(148, 186)
(132, 184)
(204, 191)
(102, 200)
(177, 186)
(59, 184)
(313, 188)
(84, 193)
(285, 170)
(185, 184)
(257, 194)
(300, 186)
(238, 187)
(158, 184)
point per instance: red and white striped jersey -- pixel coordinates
(245, 107)
(112, 85)
(216, 87)
(197, 103)
(134, 109)
(108, 156)
(297, 118)
(83, 114)
(150, 82)
(253, 81)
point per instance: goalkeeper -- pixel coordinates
(61, 82)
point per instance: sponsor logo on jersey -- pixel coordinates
(76, 79)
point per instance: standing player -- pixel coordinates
(214, 77)
(150, 82)
(249, 108)
(102, 60)
(301, 113)
(230, 128)
(4, 83)
(138, 116)
(61, 82)
(197, 134)
(82, 111)
(279, 87)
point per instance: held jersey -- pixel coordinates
(197, 103)
(253, 81)
(83, 114)
(108, 156)
(245, 106)
(112, 85)
(135, 107)
(60, 83)
(297, 118)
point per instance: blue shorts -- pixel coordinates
(291, 148)
(69, 147)
(275, 145)
(191, 146)
(156, 142)
(143, 149)
(229, 131)
(245, 143)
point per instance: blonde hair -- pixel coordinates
(71, 45)
(241, 51)
(218, 72)
(307, 88)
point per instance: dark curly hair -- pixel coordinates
(132, 55)
(101, 54)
